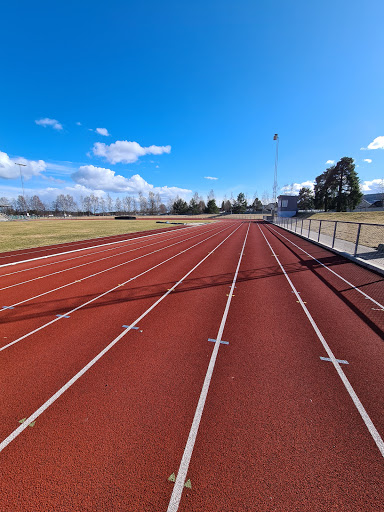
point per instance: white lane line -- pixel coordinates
(108, 291)
(101, 271)
(330, 270)
(359, 406)
(83, 248)
(184, 464)
(126, 242)
(101, 259)
(64, 388)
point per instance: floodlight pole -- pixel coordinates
(276, 138)
(22, 181)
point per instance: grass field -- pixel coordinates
(25, 234)
(368, 217)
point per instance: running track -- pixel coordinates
(104, 353)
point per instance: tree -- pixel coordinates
(109, 203)
(257, 204)
(162, 209)
(305, 200)
(118, 206)
(21, 204)
(194, 208)
(212, 207)
(151, 203)
(240, 204)
(338, 187)
(324, 190)
(180, 207)
(36, 205)
(346, 182)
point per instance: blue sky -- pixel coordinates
(186, 92)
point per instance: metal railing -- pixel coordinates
(361, 240)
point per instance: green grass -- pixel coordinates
(25, 234)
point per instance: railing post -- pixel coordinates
(309, 227)
(296, 226)
(302, 222)
(334, 235)
(357, 239)
(318, 238)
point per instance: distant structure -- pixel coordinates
(287, 206)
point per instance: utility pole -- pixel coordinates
(276, 138)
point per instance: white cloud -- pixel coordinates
(330, 162)
(377, 143)
(372, 187)
(99, 178)
(78, 123)
(9, 170)
(126, 151)
(210, 178)
(102, 131)
(295, 187)
(49, 122)
(367, 160)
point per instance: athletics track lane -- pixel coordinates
(279, 431)
(261, 439)
(32, 314)
(110, 430)
(38, 252)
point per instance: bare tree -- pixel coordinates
(151, 202)
(109, 201)
(118, 206)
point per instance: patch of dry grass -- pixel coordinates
(368, 217)
(25, 234)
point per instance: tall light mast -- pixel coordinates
(276, 138)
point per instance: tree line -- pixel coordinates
(337, 188)
(198, 206)
(150, 204)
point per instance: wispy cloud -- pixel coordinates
(78, 123)
(126, 151)
(368, 160)
(377, 143)
(102, 131)
(331, 162)
(46, 121)
(210, 178)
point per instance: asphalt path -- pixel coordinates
(125, 399)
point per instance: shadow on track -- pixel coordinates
(313, 267)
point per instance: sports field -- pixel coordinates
(214, 368)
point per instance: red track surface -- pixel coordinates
(279, 431)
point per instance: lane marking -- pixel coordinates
(11, 437)
(101, 259)
(113, 289)
(184, 464)
(103, 271)
(340, 361)
(85, 248)
(359, 406)
(221, 341)
(90, 254)
(330, 270)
